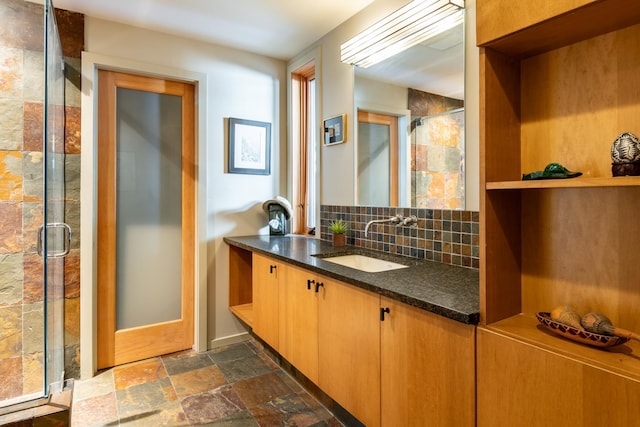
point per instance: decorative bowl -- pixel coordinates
(575, 334)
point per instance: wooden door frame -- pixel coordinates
(313, 55)
(122, 346)
(88, 277)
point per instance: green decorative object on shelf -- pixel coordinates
(552, 171)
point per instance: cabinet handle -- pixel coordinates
(272, 268)
(382, 312)
(318, 285)
(309, 283)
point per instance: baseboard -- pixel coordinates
(233, 339)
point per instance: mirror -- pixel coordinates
(410, 131)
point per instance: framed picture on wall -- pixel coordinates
(334, 130)
(249, 147)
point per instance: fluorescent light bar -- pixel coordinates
(406, 27)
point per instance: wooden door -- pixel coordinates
(349, 349)
(118, 174)
(266, 275)
(428, 369)
(298, 339)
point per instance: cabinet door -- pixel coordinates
(523, 385)
(266, 273)
(428, 368)
(299, 322)
(349, 336)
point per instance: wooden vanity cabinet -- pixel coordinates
(409, 367)
(349, 348)
(266, 277)
(392, 364)
(559, 82)
(428, 368)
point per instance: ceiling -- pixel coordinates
(276, 28)
(282, 29)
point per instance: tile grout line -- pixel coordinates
(173, 387)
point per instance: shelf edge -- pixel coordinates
(621, 181)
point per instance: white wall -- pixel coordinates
(250, 86)
(238, 84)
(379, 96)
(337, 171)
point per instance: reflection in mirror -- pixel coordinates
(377, 158)
(422, 88)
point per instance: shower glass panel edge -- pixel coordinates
(55, 239)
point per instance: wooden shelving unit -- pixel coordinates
(559, 81)
(574, 238)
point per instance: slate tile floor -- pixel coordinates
(237, 385)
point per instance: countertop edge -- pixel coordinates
(471, 318)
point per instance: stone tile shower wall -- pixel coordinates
(71, 29)
(446, 236)
(437, 150)
(21, 192)
(438, 176)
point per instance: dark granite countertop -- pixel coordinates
(446, 290)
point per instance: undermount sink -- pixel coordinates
(364, 263)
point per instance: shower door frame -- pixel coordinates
(56, 234)
(52, 245)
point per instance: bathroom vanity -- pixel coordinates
(393, 347)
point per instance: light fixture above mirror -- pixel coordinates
(412, 24)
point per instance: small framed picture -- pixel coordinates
(335, 131)
(249, 147)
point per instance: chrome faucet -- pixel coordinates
(410, 221)
(397, 219)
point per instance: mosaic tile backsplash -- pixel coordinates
(446, 236)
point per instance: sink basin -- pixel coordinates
(365, 263)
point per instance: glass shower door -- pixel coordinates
(31, 267)
(55, 235)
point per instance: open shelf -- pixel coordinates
(240, 284)
(622, 359)
(244, 312)
(619, 181)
